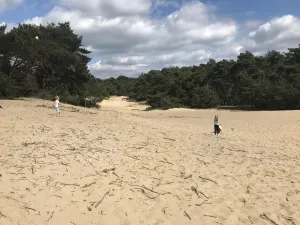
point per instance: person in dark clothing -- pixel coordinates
(217, 125)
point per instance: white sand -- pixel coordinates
(52, 168)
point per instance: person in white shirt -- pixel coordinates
(56, 104)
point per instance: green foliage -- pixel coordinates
(8, 86)
(55, 64)
(270, 82)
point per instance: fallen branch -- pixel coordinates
(187, 215)
(188, 177)
(197, 192)
(249, 218)
(143, 191)
(148, 189)
(87, 185)
(114, 182)
(2, 215)
(169, 139)
(50, 217)
(145, 168)
(235, 150)
(107, 170)
(133, 157)
(166, 161)
(203, 203)
(101, 200)
(115, 174)
(29, 208)
(289, 219)
(265, 217)
(203, 178)
(57, 196)
(54, 155)
(202, 161)
(210, 216)
(68, 184)
(15, 173)
(177, 196)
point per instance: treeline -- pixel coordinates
(56, 64)
(270, 82)
(44, 61)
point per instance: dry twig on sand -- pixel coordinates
(197, 192)
(143, 188)
(187, 215)
(2, 215)
(166, 161)
(143, 191)
(50, 217)
(170, 139)
(101, 200)
(133, 157)
(249, 218)
(290, 219)
(203, 178)
(87, 185)
(55, 156)
(203, 203)
(202, 161)
(29, 208)
(265, 217)
(235, 150)
(75, 184)
(210, 216)
(190, 176)
(107, 170)
(148, 189)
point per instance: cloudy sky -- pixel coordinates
(128, 37)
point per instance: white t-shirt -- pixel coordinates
(56, 103)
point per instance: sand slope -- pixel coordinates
(122, 165)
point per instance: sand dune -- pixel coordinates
(122, 165)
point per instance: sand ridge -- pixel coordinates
(123, 165)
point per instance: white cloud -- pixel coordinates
(9, 4)
(252, 24)
(110, 8)
(277, 34)
(129, 41)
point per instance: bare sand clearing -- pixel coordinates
(122, 165)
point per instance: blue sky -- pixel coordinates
(240, 10)
(263, 9)
(134, 39)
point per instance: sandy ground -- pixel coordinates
(122, 165)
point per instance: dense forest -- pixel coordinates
(56, 64)
(44, 61)
(270, 82)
